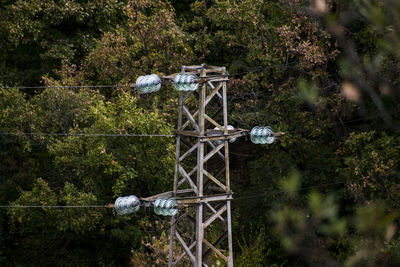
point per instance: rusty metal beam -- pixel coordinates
(188, 152)
(215, 244)
(186, 248)
(215, 250)
(215, 180)
(214, 216)
(185, 175)
(190, 117)
(203, 199)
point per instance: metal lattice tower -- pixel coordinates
(200, 203)
(201, 180)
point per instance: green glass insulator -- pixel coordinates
(262, 135)
(185, 82)
(127, 205)
(148, 83)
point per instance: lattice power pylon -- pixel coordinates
(200, 203)
(201, 180)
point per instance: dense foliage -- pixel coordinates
(326, 72)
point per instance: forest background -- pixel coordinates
(324, 72)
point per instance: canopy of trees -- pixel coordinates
(325, 72)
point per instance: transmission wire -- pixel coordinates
(90, 135)
(66, 86)
(153, 135)
(55, 206)
(133, 85)
(289, 191)
(235, 199)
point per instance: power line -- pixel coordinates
(289, 191)
(54, 207)
(153, 135)
(67, 86)
(109, 206)
(90, 135)
(133, 85)
(240, 155)
(143, 135)
(305, 130)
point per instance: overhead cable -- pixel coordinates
(289, 191)
(91, 135)
(250, 70)
(55, 206)
(110, 206)
(66, 86)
